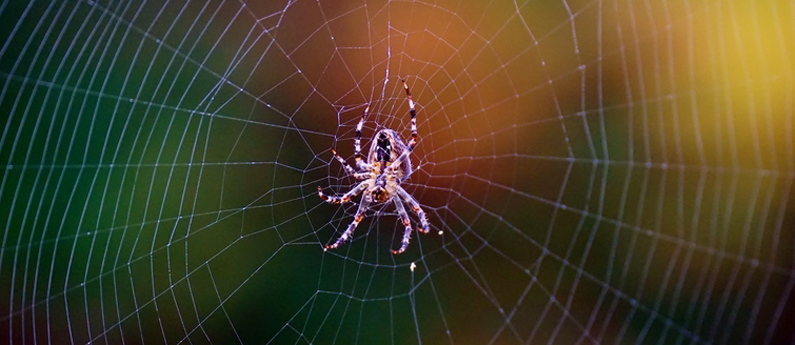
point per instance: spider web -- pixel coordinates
(600, 171)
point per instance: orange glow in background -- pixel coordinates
(602, 171)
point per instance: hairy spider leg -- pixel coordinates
(334, 199)
(404, 243)
(345, 164)
(414, 137)
(358, 218)
(358, 141)
(396, 165)
(363, 175)
(415, 206)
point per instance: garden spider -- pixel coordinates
(388, 164)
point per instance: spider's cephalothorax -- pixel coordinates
(387, 165)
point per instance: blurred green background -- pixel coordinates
(602, 171)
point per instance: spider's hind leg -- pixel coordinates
(415, 206)
(356, 220)
(404, 243)
(334, 199)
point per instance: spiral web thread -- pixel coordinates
(593, 171)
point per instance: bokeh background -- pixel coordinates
(601, 171)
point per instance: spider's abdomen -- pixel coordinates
(385, 148)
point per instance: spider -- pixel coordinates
(387, 166)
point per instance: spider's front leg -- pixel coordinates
(414, 137)
(333, 199)
(358, 218)
(413, 113)
(358, 143)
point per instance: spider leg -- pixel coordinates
(358, 141)
(345, 164)
(363, 175)
(333, 199)
(348, 169)
(414, 137)
(415, 206)
(358, 218)
(406, 233)
(413, 142)
(394, 166)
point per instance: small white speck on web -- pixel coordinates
(413, 266)
(440, 232)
